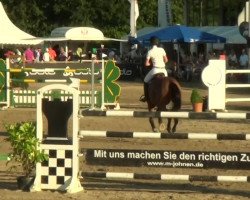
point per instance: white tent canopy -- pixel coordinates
(78, 34)
(10, 34)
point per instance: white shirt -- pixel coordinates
(156, 55)
(232, 57)
(243, 60)
(46, 57)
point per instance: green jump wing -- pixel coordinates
(3, 93)
(111, 88)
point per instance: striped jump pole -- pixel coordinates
(164, 177)
(49, 70)
(152, 135)
(45, 80)
(184, 115)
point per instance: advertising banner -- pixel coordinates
(76, 70)
(169, 158)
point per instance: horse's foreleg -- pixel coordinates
(151, 121)
(176, 120)
(169, 125)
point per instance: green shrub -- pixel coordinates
(196, 97)
(24, 144)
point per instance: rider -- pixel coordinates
(157, 56)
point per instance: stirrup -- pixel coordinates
(143, 98)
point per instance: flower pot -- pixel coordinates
(197, 107)
(24, 183)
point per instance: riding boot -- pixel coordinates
(146, 91)
(145, 97)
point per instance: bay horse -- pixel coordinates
(162, 91)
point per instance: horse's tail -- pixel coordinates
(175, 93)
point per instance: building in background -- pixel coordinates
(199, 12)
(212, 12)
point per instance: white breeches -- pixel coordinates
(154, 71)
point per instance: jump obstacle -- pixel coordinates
(61, 171)
(27, 98)
(214, 77)
(152, 135)
(167, 177)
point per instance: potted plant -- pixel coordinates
(25, 152)
(196, 100)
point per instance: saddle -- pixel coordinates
(159, 75)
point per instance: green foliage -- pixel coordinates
(196, 97)
(39, 18)
(56, 94)
(148, 13)
(177, 12)
(19, 76)
(22, 138)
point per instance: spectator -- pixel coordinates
(62, 56)
(70, 55)
(8, 53)
(46, 56)
(222, 55)
(243, 60)
(111, 55)
(232, 60)
(52, 54)
(37, 54)
(19, 54)
(29, 55)
(80, 53)
(101, 52)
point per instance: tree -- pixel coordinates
(40, 17)
(178, 12)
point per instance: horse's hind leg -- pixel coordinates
(176, 120)
(169, 129)
(162, 126)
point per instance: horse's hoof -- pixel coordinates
(155, 130)
(162, 127)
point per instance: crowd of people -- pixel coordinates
(35, 54)
(184, 66)
(234, 60)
